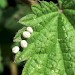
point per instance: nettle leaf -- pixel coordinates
(39, 12)
(69, 13)
(68, 4)
(51, 47)
(17, 37)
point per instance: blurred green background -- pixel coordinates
(10, 13)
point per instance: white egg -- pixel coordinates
(15, 49)
(30, 29)
(26, 34)
(24, 44)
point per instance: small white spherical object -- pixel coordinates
(30, 29)
(26, 34)
(15, 49)
(24, 44)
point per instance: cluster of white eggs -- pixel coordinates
(23, 43)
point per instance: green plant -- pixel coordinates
(51, 48)
(3, 3)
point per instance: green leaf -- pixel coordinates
(67, 4)
(44, 8)
(70, 15)
(51, 47)
(18, 38)
(36, 65)
(67, 41)
(3, 3)
(60, 3)
(42, 37)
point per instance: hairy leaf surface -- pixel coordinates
(51, 47)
